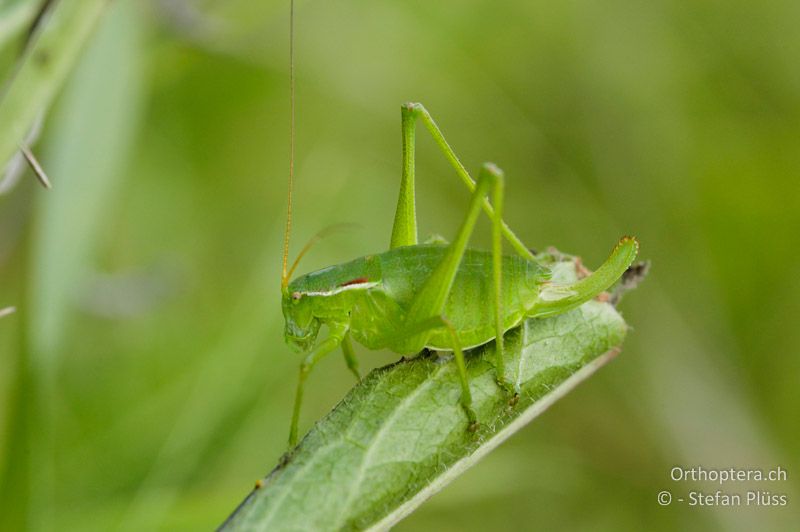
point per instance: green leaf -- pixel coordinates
(400, 435)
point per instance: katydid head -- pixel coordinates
(298, 307)
(302, 326)
(324, 296)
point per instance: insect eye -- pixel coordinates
(296, 296)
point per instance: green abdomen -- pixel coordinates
(377, 314)
(470, 305)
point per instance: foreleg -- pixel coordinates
(334, 339)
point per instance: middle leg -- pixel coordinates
(439, 322)
(350, 356)
(430, 301)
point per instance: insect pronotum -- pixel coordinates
(417, 296)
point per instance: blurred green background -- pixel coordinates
(144, 381)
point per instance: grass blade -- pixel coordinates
(91, 132)
(400, 435)
(13, 20)
(43, 69)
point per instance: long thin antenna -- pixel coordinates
(284, 272)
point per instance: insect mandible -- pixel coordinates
(444, 297)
